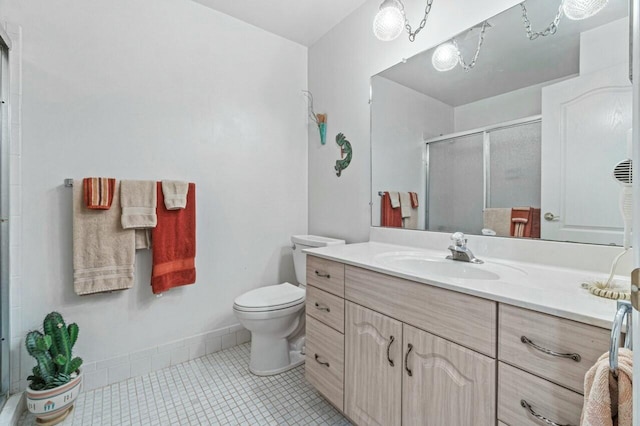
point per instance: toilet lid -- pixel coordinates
(271, 298)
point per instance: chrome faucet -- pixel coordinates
(459, 250)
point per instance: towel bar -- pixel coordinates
(68, 182)
(624, 311)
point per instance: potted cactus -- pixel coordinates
(56, 379)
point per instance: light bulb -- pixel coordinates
(445, 58)
(389, 21)
(582, 9)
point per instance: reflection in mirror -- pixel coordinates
(522, 144)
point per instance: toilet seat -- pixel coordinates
(270, 298)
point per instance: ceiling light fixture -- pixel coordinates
(448, 55)
(573, 9)
(390, 21)
(445, 58)
(582, 9)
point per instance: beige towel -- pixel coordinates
(175, 194)
(139, 200)
(608, 400)
(405, 204)
(394, 197)
(103, 252)
(499, 220)
(143, 239)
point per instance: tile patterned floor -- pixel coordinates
(213, 390)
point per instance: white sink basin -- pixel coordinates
(422, 264)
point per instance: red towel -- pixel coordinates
(525, 222)
(98, 192)
(174, 244)
(389, 216)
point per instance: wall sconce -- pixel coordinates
(447, 56)
(390, 21)
(319, 119)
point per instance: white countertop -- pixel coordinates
(552, 290)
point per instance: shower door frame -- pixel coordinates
(5, 47)
(486, 155)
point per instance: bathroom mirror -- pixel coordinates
(522, 144)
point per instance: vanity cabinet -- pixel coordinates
(324, 347)
(390, 351)
(373, 366)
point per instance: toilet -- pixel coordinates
(275, 315)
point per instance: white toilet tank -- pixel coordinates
(301, 242)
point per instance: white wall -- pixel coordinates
(158, 89)
(340, 67)
(509, 106)
(401, 119)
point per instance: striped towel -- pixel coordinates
(98, 192)
(414, 200)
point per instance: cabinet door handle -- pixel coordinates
(391, 340)
(321, 275)
(406, 360)
(527, 341)
(322, 308)
(326, 364)
(543, 419)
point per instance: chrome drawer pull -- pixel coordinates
(322, 308)
(391, 340)
(323, 275)
(406, 360)
(526, 341)
(326, 364)
(526, 405)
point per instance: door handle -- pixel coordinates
(406, 360)
(391, 340)
(550, 217)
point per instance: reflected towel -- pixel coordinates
(175, 194)
(498, 220)
(394, 197)
(405, 204)
(521, 221)
(98, 192)
(414, 200)
(608, 400)
(174, 244)
(389, 216)
(103, 252)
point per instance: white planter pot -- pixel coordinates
(54, 404)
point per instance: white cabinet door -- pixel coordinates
(446, 384)
(373, 367)
(585, 121)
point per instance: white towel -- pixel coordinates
(103, 252)
(175, 194)
(394, 197)
(139, 200)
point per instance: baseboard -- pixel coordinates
(13, 409)
(109, 371)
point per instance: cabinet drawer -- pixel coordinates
(324, 364)
(555, 334)
(326, 275)
(549, 400)
(326, 308)
(467, 320)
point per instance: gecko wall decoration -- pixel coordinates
(345, 149)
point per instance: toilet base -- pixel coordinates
(271, 356)
(296, 358)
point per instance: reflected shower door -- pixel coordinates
(455, 178)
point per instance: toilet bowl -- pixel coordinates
(275, 315)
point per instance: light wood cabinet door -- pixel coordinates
(373, 367)
(445, 384)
